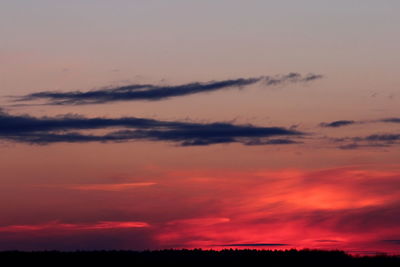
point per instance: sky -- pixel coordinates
(209, 124)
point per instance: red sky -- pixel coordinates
(148, 125)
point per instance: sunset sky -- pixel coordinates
(200, 124)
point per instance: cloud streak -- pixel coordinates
(381, 139)
(151, 92)
(109, 187)
(337, 124)
(47, 130)
(373, 140)
(343, 123)
(103, 225)
(255, 245)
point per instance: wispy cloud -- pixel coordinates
(391, 120)
(46, 130)
(255, 245)
(56, 225)
(153, 92)
(373, 140)
(342, 123)
(327, 241)
(201, 221)
(108, 187)
(336, 124)
(368, 141)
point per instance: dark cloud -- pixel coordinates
(342, 123)
(257, 142)
(291, 77)
(336, 124)
(312, 77)
(391, 120)
(45, 130)
(136, 92)
(392, 241)
(374, 140)
(350, 146)
(387, 138)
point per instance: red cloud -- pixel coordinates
(109, 187)
(352, 207)
(73, 227)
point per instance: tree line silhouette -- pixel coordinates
(196, 257)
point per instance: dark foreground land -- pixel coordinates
(195, 257)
